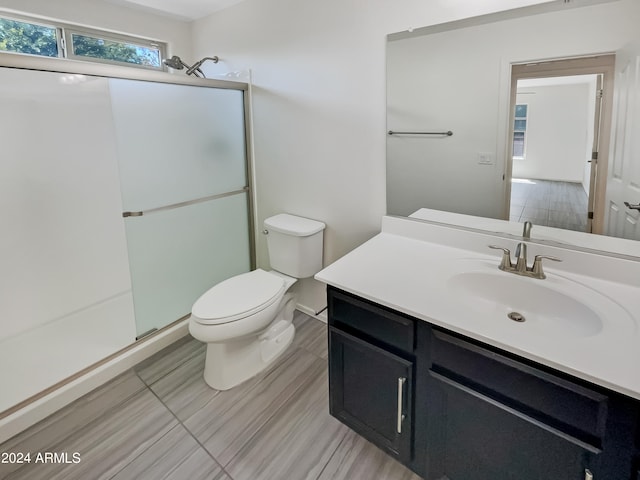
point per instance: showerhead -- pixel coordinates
(175, 62)
(196, 66)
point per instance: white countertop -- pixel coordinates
(542, 233)
(407, 267)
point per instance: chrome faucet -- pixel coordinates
(526, 234)
(520, 267)
(521, 258)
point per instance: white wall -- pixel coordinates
(319, 104)
(557, 131)
(110, 16)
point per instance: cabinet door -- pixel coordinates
(371, 391)
(474, 437)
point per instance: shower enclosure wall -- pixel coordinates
(124, 195)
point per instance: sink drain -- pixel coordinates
(516, 317)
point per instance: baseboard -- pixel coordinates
(44, 406)
(322, 316)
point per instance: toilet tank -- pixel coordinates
(295, 245)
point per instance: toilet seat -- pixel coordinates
(238, 297)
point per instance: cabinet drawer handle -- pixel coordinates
(401, 381)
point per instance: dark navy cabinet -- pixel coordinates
(371, 372)
(450, 407)
(360, 371)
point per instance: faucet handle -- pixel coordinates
(505, 264)
(537, 265)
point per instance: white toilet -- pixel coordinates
(246, 320)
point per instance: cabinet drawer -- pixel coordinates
(476, 438)
(566, 406)
(374, 321)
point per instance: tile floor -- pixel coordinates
(549, 203)
(161, 421)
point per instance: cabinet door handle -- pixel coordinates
(401, 382)
(587, 474)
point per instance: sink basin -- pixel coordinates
(555, 307)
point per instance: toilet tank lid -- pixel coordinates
(293, 225)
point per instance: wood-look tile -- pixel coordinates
(175, 456)
(296, 443)
(107, 444)
(234, 416)
(537, 202)
(183, 390)
(551, 203)
(274, 426)
(55, 429)
(355, 457)
(311, 334)
(168, 359)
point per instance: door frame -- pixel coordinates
(603, 64)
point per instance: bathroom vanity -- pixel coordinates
(429, 369)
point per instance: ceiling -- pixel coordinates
(181, 9)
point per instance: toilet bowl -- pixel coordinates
(246, 320)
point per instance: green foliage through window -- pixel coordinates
(23, 37)
(94, 47)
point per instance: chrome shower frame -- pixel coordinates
(12, 417)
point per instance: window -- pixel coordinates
(30, 38)
(520, 131)
(21, 35)
(110, 49)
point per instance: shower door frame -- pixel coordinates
(72, 67)
(60, 65)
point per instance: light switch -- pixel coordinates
(486, 158)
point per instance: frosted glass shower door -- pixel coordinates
(183, 170)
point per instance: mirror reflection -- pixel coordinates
(541, 102)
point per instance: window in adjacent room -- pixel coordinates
(520, 131)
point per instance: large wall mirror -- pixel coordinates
(495, 120)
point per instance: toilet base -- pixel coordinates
(231, 363)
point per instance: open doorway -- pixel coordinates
(557, 161)
(554, 128)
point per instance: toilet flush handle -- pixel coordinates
(265, 232)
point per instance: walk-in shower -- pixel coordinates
(81, 279)
(176, 63)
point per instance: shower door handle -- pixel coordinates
(185, 204)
